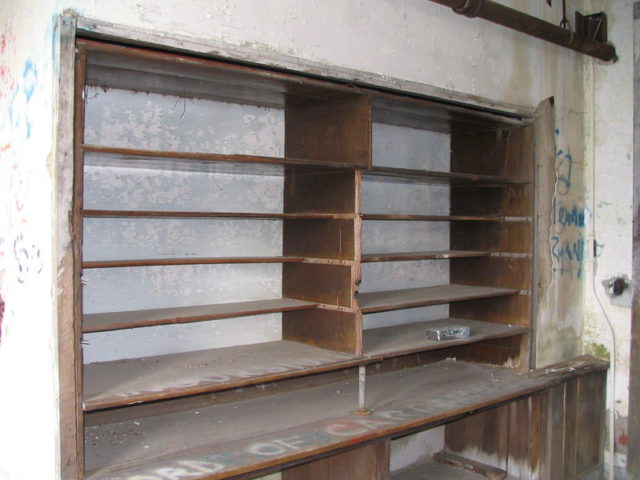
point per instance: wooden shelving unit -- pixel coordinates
(230, 260)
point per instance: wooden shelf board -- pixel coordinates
(99, 322)
(131, 381)
(443, 218)
(250, 215)
(262, 434)
(430, 255)
(405, 339)
(97, 155)
(417, 297)
(404, 175)
(152, 262)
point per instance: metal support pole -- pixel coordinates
(362, 404)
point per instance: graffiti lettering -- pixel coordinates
(568, 256)
(564, 172)
(569, 216)
(278, 446)
(563, 216)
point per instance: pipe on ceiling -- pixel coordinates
(516, 20)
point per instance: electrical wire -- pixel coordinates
(613, 350)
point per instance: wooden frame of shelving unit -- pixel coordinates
(141, 419)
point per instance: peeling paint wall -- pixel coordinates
(411, 39)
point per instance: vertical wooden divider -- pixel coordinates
(332, 130)
(369, 462)
(336, 129)
(76, 348)
(356, 271)
(590, 422)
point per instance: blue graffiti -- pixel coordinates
(20, 97)
(563, 216)
(29, 84)
(564, 169)
(568, 255)
(30, 79)
(568, 218)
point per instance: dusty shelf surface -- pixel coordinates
(265, 433)
(411, 338)
(416, 297)
(213, 215)
(98, 322)
(131, 381)
(101, 156)
(429, 255)
(152, 262)
(403, 175)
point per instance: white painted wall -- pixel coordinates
(609, 202)
(28, 386)
(409, 39)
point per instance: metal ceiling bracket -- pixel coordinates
(470, 8)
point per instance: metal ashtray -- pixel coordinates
(450, 332)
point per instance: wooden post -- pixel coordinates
(633, 459)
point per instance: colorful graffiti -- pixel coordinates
(23, 102)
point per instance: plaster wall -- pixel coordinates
(410, 40)
(609, 207)
(28, 378)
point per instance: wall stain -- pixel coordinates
(7, 81)
(1, 317)
(28, 258)
(597, 350)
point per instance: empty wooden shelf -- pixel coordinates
(98, 322)
(101, 156)
(406, 175)
(416, 297)
(431, 255)
(131, 381)
(443, 218)
(213, 215)
(151, 262)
